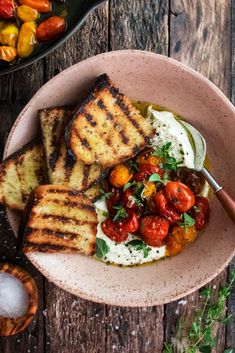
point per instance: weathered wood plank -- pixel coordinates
(73, 324)
(139, 24)
(15, 93)
(199, 38)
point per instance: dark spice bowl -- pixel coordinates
(77, 11)
(10, 326)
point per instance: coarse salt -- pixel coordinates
(14, 300)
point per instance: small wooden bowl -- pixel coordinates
(8, 326)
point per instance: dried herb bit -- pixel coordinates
(105, 195)
(200, 337)
(120, 214)
(187, 221)
(140, 246)
(101, 248)
(169, 162)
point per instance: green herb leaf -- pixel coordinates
(105, 214)
(129, 184)
(120, 214)
(169, 162)
(134, 167)
(140, 246)
(155, 177)
(187, 221)
(101, 248)
(204, 348)
(105, 195)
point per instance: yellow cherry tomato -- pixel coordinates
(188, 234)
(175, 243)
(27, 39)
(7, 53)
(9, 34)
(120, 175)
(149, 189)
(148, 159)
(26, 13)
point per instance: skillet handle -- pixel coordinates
(227, 202)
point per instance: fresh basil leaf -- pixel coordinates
(120, 214)
(155, 178)
(135, 242)
(127, 186)
(140, 246)
(101, 248)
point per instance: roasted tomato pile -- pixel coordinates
(20, 29)
(154, 201)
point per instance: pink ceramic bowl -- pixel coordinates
(147, 77)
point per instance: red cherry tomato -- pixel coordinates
(7, 9)
(114, 230)
(113, 200)
(140, 176)
(154, 229)
(164, 208)
(180, 196)
(128, 200)
(151, 169)
(131, 223)
(51, 28)
(202, 212)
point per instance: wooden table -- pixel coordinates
(199, 33)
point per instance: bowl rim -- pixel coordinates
(194, 74)
(88, 10)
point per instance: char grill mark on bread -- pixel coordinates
(107, 128)
(63, 168)
(60, 220)
(20, 173)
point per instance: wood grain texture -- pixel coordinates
(139, 24)
(16, 89)
(199, 38)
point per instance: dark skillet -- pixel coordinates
(77, 10)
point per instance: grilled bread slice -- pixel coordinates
(62, 168)
(107, 128)
(21, 173)
(60, 220)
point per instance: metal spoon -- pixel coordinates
(225, 199)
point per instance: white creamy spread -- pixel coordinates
(119, 253)
(167, 130)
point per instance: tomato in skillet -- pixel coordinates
(202, 212)
(180, 196)
(164, 208)
(114, 230)
(154, 229)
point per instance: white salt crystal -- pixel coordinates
(14, 300)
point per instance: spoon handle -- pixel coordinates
(225, 199)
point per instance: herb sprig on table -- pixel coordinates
(200, 336)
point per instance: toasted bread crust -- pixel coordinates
(60, 220)
(63, 169)
(107, 128)
(20, 173)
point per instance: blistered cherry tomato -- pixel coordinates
(149, 189)
(113, 200)
(188, 234)
(120, 175)
(175, 244)
(180, 196)
(7, 9)
(148, 159)
(51, 28)
(114, 230)
(151, 169)
(154, 229)
(40, 5)
(131, 223)
(27, 39)
(26, 13)
(202, 212)
(7, 53)
(128, 200)
(164, 207)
